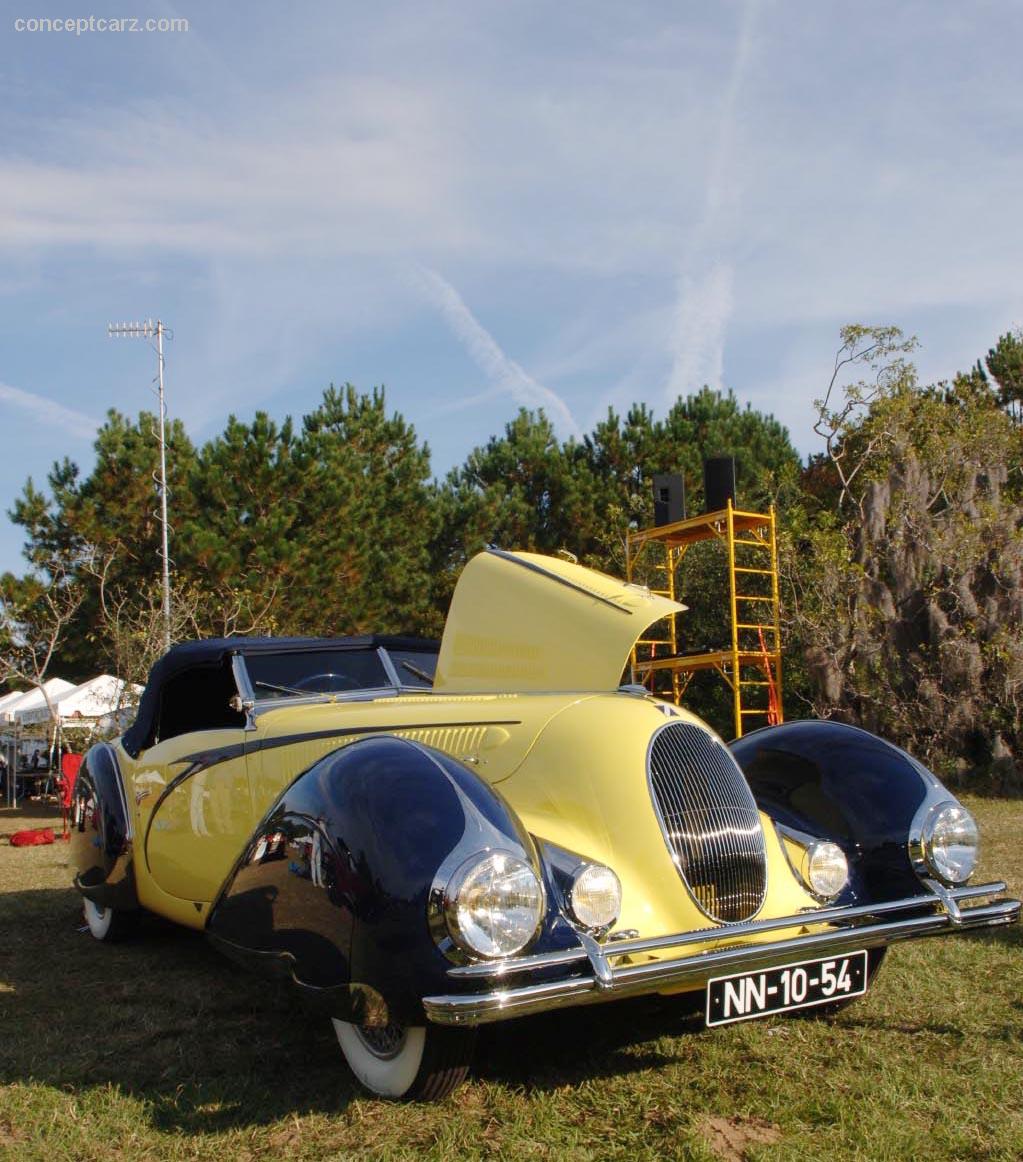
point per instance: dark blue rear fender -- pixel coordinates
(334, 887)
(841, 783)
(101, 841)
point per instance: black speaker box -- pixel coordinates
(669, 499)
(718, 482)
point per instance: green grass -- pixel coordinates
(160, 1048)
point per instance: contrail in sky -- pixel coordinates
(47, 411)
(504, 373)
(704, 299)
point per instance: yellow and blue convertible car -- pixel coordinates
(425, 839)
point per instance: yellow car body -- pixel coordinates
(249, 813)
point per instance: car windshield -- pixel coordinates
(298, 673)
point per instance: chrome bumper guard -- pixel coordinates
(606, 977)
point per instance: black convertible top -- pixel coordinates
(213, 651)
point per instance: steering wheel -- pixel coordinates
(326, 683)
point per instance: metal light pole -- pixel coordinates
(146, 330)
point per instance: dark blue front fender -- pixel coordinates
(101, 840)
(841, 783)
(333, 888)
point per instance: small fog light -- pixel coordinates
(825, 869)
(595, 897)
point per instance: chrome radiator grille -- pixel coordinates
(709, 820)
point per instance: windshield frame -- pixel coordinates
(253, 697)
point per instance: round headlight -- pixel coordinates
(825, 869)
(951, 843)
(494, 905)
(595, 896)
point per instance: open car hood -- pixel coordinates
(525, 622)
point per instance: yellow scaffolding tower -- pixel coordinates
(751, 663)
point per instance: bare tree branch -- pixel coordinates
(35, 615)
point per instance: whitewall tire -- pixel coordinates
(419, 1062)
(107, 923)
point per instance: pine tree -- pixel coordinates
(363, 521)
(1005, 362)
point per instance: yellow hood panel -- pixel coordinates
(525, 622)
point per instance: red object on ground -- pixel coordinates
(69, 766)
(32, 837)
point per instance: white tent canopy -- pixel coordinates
(30, 700)
(9, 700)
(92, 699)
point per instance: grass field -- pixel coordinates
(161, 1049)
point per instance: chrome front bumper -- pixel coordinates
(602, 972)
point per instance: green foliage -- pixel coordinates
(1005, 362)
(625, 458)
(523, 490)
(879, 356)
(323, 532)
(900, 542)
(903, 580)
(115, 511)
(106, 525)
(526, 490)
(363, 521)
(243, 490)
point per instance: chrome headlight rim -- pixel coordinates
(821, 850)
(928, 862)
(590, 924)
(451, 903)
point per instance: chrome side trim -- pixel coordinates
(369, 694)
(265, 704)
(610, 981)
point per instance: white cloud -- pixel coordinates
(47, 411)
(704, 294)
(333, 167)
(641, 184)
(503, 372)
(698, 339)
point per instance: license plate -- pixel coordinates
(779, 990)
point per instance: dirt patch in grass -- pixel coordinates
(731, 1138)
(9, 1136)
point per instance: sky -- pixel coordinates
(487, 205)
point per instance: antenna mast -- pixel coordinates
(147, 330)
